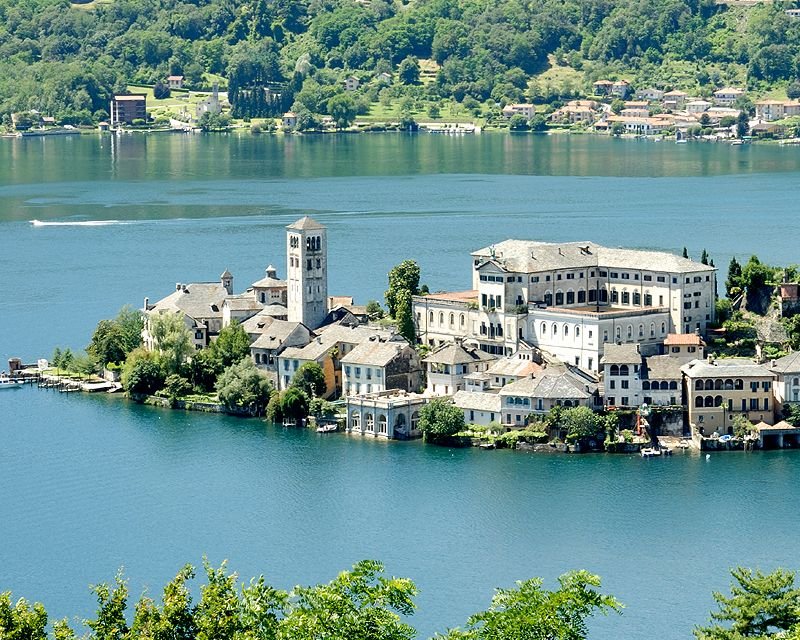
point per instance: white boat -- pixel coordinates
(8, 383)
(327, 428)
(650, 452)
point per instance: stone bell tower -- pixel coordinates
(307, 272)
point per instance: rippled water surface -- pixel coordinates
(88, 484)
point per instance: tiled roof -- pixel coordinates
(274, 334)
(528, 256)
(787, 364)
(305, 223)
(374, 353)
(332, 335)
(627, 353)
(513, 366)
(479, 401)
(555, 387)
(684, 339)
(726, 367)
(196, 300)
(243, 302)
(663, 368)
(452, 353)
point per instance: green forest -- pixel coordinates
(65, 59)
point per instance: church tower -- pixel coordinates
(307, 272)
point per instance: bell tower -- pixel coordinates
(307, 272)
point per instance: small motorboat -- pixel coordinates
(9, 383)
(327, 428)
(650, 452)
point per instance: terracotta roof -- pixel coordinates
(456, 296)
(684, 339)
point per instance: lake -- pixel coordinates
(93, 483)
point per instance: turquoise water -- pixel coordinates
(92, 483)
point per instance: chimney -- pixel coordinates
(177, 286)
(146, 304)
(183, 288)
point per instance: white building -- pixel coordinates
(379, 365)
(570, 299)
(307, 272)
(787, 385)
(727, 96)
(447, 367)
(392, 414)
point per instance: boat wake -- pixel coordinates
(78, 223)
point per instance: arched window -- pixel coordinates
(795, 381)
(543, 329)
(382, 426)
(548, 299)
(414, 421)
(614, 370)
(370, 422)
(717, 401)
(623, 370)
(430, 317)
(718, 384)
(603, 295)
(663, 328)
(566, 330)
(709, 401)
(698, 401)
(673, 386)
(619, 333)
(652, 329)
(664, 385)
(555, 329)
(709, 385)
(570, 297)
(630, 332)
(355, 421)
(452, 319)
(614, 296)
(626, 297)
(577, 332)
(645, 385)
(581, 296)
(441, 319)
(559, 298)
(567, 403)
(461, 322)
(641, 331)
(738, 384)
(637, 298)
(698, 385)
(648, 299)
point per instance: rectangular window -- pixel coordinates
(648, 278)
(603, 274)
(570, 276)
(614, 274)
(626, 276)
(660, 279)
(624, 401)
(753, 404)
(547, 278)
(766, 404)
(610, 400)
(612, 384)
(624, 384)
(358, 372)
(347, 370)
(534, 278)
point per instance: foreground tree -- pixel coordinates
(359, 604)
(440, 419)
(761, 605)
(529, 611)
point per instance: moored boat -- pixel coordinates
(9, 383)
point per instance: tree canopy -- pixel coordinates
(440, 419)
(761, 605)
